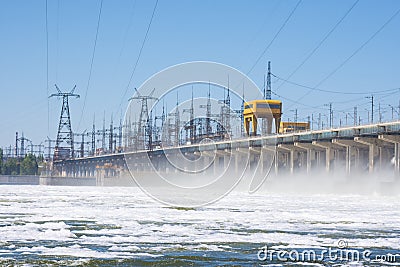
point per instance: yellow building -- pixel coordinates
(288, 126)
(261, 109)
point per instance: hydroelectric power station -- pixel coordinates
(263, 143)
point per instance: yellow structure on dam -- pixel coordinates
(289, 126)
(261, 109)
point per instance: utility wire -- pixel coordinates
(360, 48)
(131, 16)
(352, 55)
(57, 40)
(140, 53)
(293, 101)
(334, 92)
(275, 36)
(47, 71)
(265, 22)
(388, 93)
(91, 62)
(321, 42)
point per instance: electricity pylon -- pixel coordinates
(64, 148)
(142, 124)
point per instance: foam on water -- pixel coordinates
(39, 222)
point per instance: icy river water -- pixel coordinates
(121, 226)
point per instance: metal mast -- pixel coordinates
(83, 144)
(16, 145)
(111, 137)
(22, 153)
(192, 130)
(93, 137)
(65, 141)
(191, 127)
(225, 114)
(149, 131)
(143, 119)
(208, 112)
(158, 130)
(355, 116)
(103, 139)
(120, 133)
(228, 112)
(177, 121)
(241, 114)
(268, 89)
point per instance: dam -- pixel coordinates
(356, 149)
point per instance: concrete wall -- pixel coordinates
(19, 179)
(67, 181)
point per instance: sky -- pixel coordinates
(342, 46)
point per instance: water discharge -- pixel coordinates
(103, 226)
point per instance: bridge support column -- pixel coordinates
(393, 139)
(311, 151)
(291, 149)
(269, 159)
(373, 145)
(237, 160)
(242, 158)
(271, 154)
(216, 164)
(227, 158)
(352, 147)
(254, 158)
(329, 148)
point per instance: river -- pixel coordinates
(121, 226)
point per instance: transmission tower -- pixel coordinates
(143, 119)
(65, 141)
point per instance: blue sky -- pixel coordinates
(230, 32)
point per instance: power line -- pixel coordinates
(360, 48)
(130, 22)
(275, 36)
(392, 91)
(91, 62)
(293, 101)
(47, 70)
(331, 91)
(353, 54)
(140, 53)
(265, 22)
(321, 42)
(57, 39)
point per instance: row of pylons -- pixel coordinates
(146, 133)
